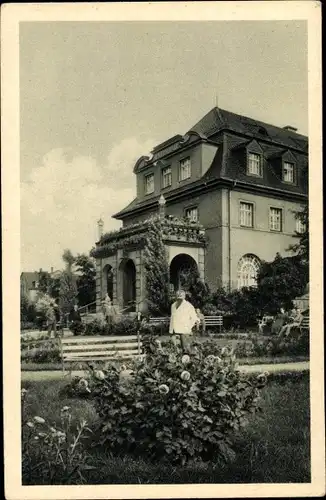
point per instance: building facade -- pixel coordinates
(235, 180)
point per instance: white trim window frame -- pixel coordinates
(191, 213)
(300, 227)
(248, 267)
(246, 214)
(288, 172)
(275, 219)
(185, 169)
(149, 183)
(166, 177)
(254, 164)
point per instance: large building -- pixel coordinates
(236, 180)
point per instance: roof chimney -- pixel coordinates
(51, 270)
(290, 128)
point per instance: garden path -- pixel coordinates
(272, 368)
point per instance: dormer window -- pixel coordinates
(254, 166)
(185, 169)
(149, 183)
(288, 172)
(166, 177)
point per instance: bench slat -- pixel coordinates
(105, 358)
(89, 347)
(84, 340)
(94, 354)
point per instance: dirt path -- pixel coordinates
(272, 368)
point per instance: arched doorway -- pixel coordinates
(108, 281)
(182, 269)
(128, 271)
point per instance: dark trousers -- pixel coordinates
(52, 326)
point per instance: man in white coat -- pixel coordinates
(183, 319)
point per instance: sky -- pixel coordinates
(95, 96)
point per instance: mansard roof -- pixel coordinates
(218, 119)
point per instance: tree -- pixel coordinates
(281, 281)
(198, 291)
(301, 248)
(156, 271)
(86, 281)
(44, 282)
(68, 289)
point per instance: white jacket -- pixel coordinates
(183, 318)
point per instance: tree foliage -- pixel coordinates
(68, 288)
(281, 281)
(86, 280)
(44, 282)
(198, 291)
(156, 271)
(301, 247)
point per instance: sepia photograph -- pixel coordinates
(165, 186)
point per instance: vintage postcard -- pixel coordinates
(162, 250)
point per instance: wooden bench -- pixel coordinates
(77, 349)
(208, 321)
(213, 321)
(305, 324)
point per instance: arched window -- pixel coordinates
(248, 268)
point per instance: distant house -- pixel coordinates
(29, 281)
(29, 284)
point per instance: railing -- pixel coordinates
(87, 308)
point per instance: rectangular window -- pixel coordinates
(149, 183)
(254, 164)
(246, 214)
(288, 172)
(192, 214)
(185, 169)
(275, 219)
(166, 177)
(300, 226)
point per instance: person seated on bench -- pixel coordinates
(280, 321)
(295, 321)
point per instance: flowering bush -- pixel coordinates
(52, 455)
(78, 387)
(177, 406)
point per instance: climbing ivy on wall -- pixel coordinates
(156, 271)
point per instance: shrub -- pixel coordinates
(97, 326)
(52, 455)
(121, 326)
(77, 328)
(291, 345)
(27, 325)
(176, 407)
(47, 352)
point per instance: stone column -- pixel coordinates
(201, 263)
(119, 281)
(138, 277)
(98, 284)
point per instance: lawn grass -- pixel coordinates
(273, 448)
(38, 367)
